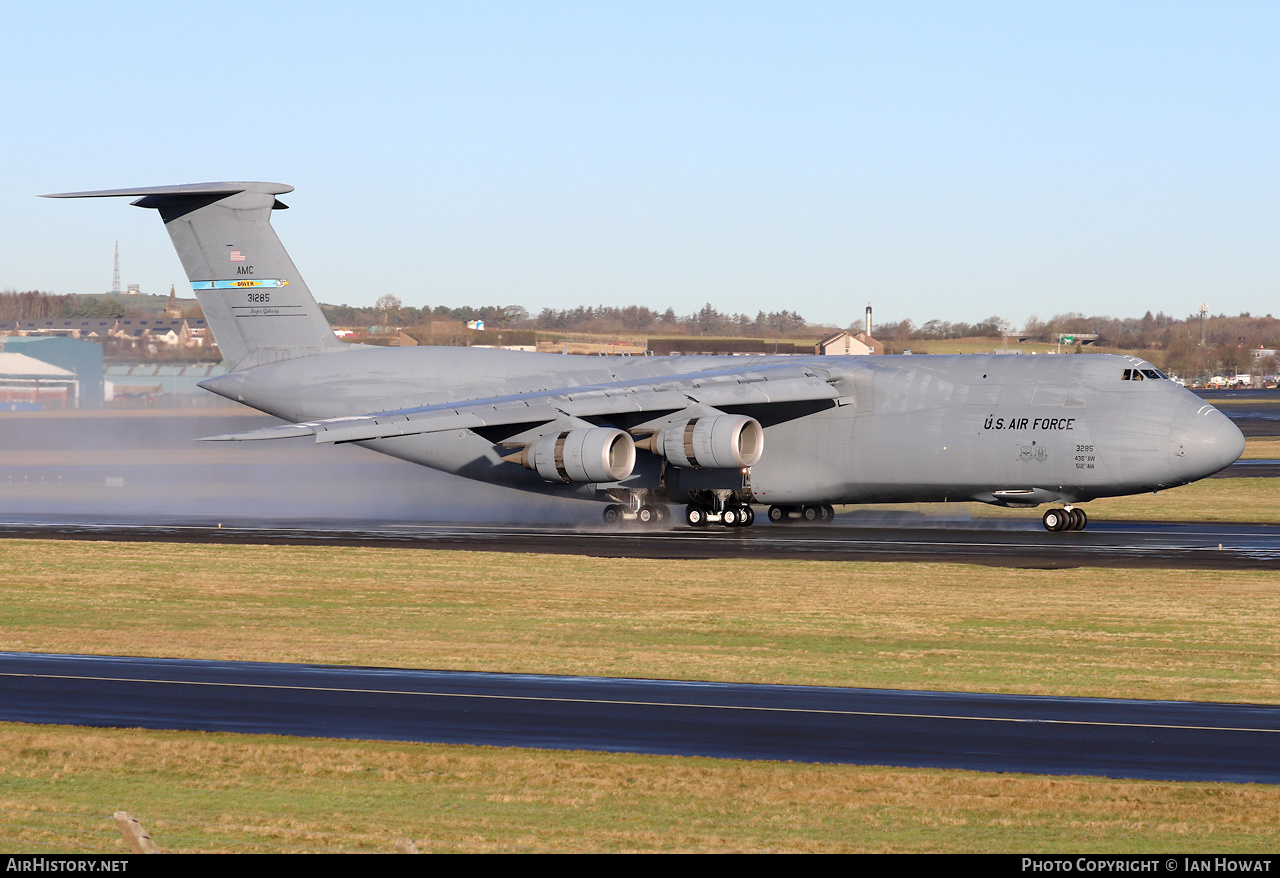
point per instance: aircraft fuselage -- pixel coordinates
(999, 429)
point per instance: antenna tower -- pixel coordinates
(115, 277)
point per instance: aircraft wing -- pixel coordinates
(762, 385)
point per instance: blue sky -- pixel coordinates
(939, 160)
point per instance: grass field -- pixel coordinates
(1261, 448)
(947, 346)
(1133, 633)
(1254, 500)
(1107, 632)
(205, 792)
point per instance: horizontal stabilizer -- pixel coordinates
(184, 190)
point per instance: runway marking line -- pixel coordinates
(618, 703)
(850, 543)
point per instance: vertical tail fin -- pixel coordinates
(257, 304)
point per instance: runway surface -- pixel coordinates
(1255, 412)
(1112, 738)
(878, 538)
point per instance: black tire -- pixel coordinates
(809, 513)
(1084, 520)
(1055, 520)
(695, 515)
(731, 517)
(663, 513)
(750, 516)
(646, 515)
(777, 514)
(612, 513)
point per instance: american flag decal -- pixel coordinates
(237, 256)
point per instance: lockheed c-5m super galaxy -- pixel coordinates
(718, 434)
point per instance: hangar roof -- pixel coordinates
(22, 366)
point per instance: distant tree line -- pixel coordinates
(707, 320)
(1174, 343)
(37, 305)
(1171, 342)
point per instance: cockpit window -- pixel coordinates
(1137, 374)
(1153, 373)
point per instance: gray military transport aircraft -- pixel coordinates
(719, 434)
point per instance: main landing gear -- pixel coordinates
(1067, 518)
(731, 515)
(820, 513)
(655, 513)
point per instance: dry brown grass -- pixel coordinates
(1146, 633)
(198, 792)
(1261, 448)
(1254, 500)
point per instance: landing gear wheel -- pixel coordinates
(646, 515)
(1078, 519)
(749, 516)
(663, 513)
(777, 513)
(809, 513)
(826, 513)
(696, 516)
(731, 517)
(612, 513)
(1055, 520)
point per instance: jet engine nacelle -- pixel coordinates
(597, 454)
(716, 441)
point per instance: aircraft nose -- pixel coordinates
(1207, 442)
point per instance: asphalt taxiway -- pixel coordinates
(883, 538)
(1156, 740)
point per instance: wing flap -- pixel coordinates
(280, 431)
(385, 425)
(762, 391)
(378, 427)
(600, 402)
(720, 388)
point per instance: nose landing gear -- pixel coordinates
(1067, 518)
